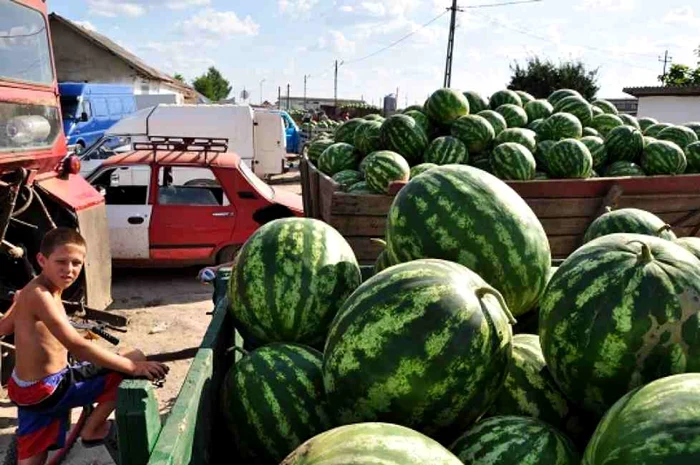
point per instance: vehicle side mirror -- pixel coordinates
(84, 117)
(101, 190)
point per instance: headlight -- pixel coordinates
(23, 130)
(26, 127)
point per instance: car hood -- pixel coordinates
(289, 200)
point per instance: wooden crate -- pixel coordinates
(565, 207)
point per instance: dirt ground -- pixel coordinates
(167, 316)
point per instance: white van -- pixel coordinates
(257, 137)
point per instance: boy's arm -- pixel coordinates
(7, 322)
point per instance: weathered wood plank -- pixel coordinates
(327, 189)
(305, 191)
(369, 205)
(138, 421)
(315, 211)
(562, 246)
(366, 250)
(348, 225)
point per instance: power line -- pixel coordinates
(491, 5)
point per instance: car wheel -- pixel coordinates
(227, 254)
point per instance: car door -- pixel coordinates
(128, 210)
(192, 216)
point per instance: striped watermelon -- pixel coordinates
(511, 161)
(590, 132)
(360, 188)
(624, 143)
(371, 443)
(623, 168)
(338, 157)
(645, 123)
(464, 214)
(596, 146)
(569, 159)
(535, 125)
(511, 440)
(289, 280)
(530, 390)
(656, 424)
(367, 137)
(679, 135)
(606, 106)
(316, 148)
(477, 103)
(422, 120)
(695, 126)
(692, 154)
(347, 178)
(663, 157)
(605, 123)
(498, 122)
(619, 313)
(375, 368)
(541, 153)
(525, 137)
(628, 220)
(363, 163)
(401, 134)
(422, 168)
(474, 131)
(540, 176)
(505, 97)
(444, 106)
(273, 401)
(514, 115)
(597, 111)
(561, 126)
(655, 129)
(560, 94)
(691, 244)
(483, 162)
(346, 131)
(382, 263)
(384, 168)
(413, 107)
(525, 98)
(629, 120)
(538, 109)
(577, 106)
(374, 117)
(445, 151)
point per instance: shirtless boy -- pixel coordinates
(43, 386)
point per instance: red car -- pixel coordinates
(167, 207)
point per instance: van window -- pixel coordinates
(128, 105)
(99, 105)
(87, 108)
(115, 107)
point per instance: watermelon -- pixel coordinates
(535, 125)
(692, 154)
(338, 157)
(505, 97)
(654, 425)
(525, 137)
(422, 120)
(346, 131)
(367, 138)
(624, 168)
(445, 151)
(483, 163)
(596, 146)
(561, 126)
(597, 111)
(541, 153)
(371, 443)
(606, 106)
(374, 117)
(498, 122)
(605, 123)
(628, 220)
(560, 94)
(347, 178)
(618, 314)
(691, 244)
(569, 159)
(648, 140)
(384, 168)
(511, 161)
(514, 115)
(530, 390)
(540, 176)
(413, 107)
(590, 132)
(466, 215)
(512, 440)
(401, 134)
(624, 143)
(645, 123)
(525, 98)
(679, 135)
(538, 109)
(383, 262)
(477, 103)
(375, 368)
(695, 126)
(422, 168)
(273, 400)
(316, 148)
(444, 106)
(655, 129)
(629, 120)
(663, 157)
(289, 280)
(577, 106)
(360, 188)
(474, 131)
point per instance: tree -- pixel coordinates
(212, 85)
(681, 75)
(179, 77)
(542, 77)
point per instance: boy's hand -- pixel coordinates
(150, 370)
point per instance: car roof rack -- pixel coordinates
(204, 145)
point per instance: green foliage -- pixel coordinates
(542, 77)
(212, 85)
(179, 77)
(681, 75)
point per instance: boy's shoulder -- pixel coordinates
(35, 296)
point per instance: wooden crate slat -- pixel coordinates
(598, 187)
(353, 204)
(366, 250)
(349, 225)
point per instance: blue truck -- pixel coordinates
(88, 110)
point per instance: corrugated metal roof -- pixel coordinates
(648, 91)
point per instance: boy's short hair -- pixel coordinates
(58, 237)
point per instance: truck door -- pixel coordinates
(270, 144)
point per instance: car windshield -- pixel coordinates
(69, 107)
(106, 147)
(24, 44)
(256, 181)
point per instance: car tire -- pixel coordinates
(227, 254)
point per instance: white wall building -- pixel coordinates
(675, 105)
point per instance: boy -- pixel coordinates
(43, 386)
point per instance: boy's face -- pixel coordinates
(62, 267)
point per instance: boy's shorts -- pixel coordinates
(44, 406)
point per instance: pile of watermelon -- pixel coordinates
(513, 136)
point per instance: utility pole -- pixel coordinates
(451, 44)
(287, 97)
(261, 93)
(305, 77)
(279, 97)
(335, 86)
(666, 60)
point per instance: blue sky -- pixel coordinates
(283, 40)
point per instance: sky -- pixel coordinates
(281, 41)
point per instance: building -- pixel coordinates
(83, 55)
(315, 103)
(627, 106)
(675, 105)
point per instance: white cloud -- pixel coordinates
(112, 8)
(182, 4)
(336, 42)
(86, 25)
(683, 15)
(607, 5)
(296, 7)
(219, 24)
(183, 57)
(346, 9)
